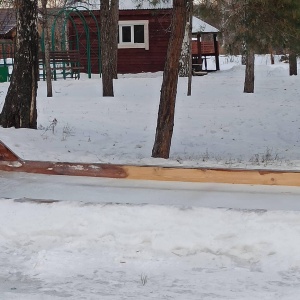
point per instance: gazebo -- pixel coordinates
(204, 45)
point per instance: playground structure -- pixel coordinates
(66, 51)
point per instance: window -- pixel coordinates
(134, 34)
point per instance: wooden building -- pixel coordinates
(7, 33)
(143, 39)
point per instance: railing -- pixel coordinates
(206, 48)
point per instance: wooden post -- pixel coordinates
(199, 48)
(216, 47)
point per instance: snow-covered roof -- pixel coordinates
(201, 26)
(145, 4)
(136, 4)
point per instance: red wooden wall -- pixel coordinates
(207, 48)
(130, 60)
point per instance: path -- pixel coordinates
(106, 190)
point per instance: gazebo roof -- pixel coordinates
(200, 26)
(7, 21)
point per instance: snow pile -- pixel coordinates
(84, 251)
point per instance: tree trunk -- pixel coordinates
(115, 32)
(47, 47)
(293, 63)
(165, 120)
(19, 108)
(249, 74)
(244, 54)
(185, 57)
(185, 50)
(190, 16)
(272, 57)
(109, 16)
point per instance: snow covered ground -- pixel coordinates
(114, 239)
(81, 250)
(217, 126)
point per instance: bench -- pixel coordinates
(66, 61)
(197, 70)
(199, 73)
(197, 67)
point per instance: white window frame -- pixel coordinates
(131, 44)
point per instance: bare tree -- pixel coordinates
(165, 119)
(19, 109)
(249, 72)
(47, 47)
(254, 25)
(109, 16)
(190, 71)
(293, 63)
(184, 60)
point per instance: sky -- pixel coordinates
(90, 238)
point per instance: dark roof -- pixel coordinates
(7, 21)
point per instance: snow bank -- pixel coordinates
(82, 251)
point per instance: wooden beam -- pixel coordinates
(64, 168)
(232, 176)
(199, 48)
(7, 154)
(10, 162)
(216, 46)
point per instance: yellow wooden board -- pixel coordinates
(261, 177)
(10, 162)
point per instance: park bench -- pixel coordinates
(68, 62)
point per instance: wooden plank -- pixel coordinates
(231, 176)
(9, 161)
(199, 73)
(200, 175)
(6, 154)
(63, 168)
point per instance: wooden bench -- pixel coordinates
(197, 70)
(197, 67)
(199, 73)
(66, 61)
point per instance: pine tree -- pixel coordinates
(166, 113)
(109, 16)
(45, 27)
